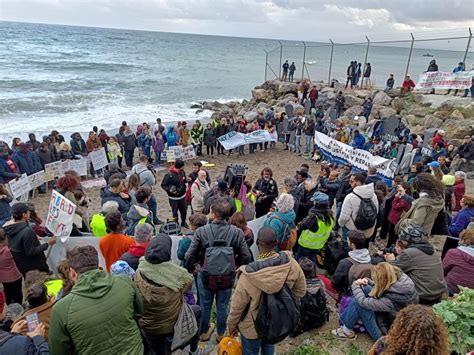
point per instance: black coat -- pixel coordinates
(107, 195)
(174, 184)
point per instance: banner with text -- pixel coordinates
(60, 216)
(179, 152)
(341, 153)
(234, 139)
(445, 80)
(20, 186)
(98, 159)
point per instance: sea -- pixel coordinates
(71, 78)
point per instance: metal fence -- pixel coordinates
(332, 58)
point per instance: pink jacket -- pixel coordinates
(8, 270)
(458, 268)
(399, 205)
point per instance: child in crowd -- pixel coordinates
(238, 220)
(113, 150)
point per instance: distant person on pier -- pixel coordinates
(349, 74)
(390, 83)
(458, 69)
(292, 71)
(433, 67)
(367, 73)
(285, 71)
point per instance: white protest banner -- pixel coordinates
(170, 156)
(20, 186)
(98, 159)
(234, 139)
(79, 166)
(445, 80)
(36, 179)
(341, 153)
(60, 216)
(179, 152)
(188, 153)
(52, 171)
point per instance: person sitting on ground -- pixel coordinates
(96, 301)
(114, 244)
(139, 212)
(459, 222)
(390, 83)
(315, 228)
(162, 284)
(377, 301)
(113, 169)
(97, 223)
(269, 273)
(14, 343)
(417, 258)
(407, 85)
(143, 234)
(458, 264)
(356, 266)
(282, 220)
(238, 220)
(417, 329)
(114, 192)
(459, 189)
(199, 189)
(26, 249)
(219, 286)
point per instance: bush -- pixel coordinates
(458, 315)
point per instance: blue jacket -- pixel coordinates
(5, 208)
(23, 345)
(107, 195)
(460, 221)
(78, 148)
(279, 221)
(358, 141)
(144, 141)
(6, 173)
(28, 163)
(171, 137)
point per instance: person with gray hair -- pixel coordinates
(291, 188)
(282, 221)
(97, 222)
(459, 189)
(143, 234)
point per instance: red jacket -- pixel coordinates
(459, 189)
(458, 269)
(408, 84)
(399, 205)
(313, 94)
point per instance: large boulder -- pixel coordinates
(398, 104)
(326, 90)
(260, 95)
(262, 107)
(250, 116)
(412, 120)
(330, 95)
(458, 129)
(387, 112)
(286, 87)
(457, 115)
(362, 94)
(351, 100)
(431, 121)
(419, 111)
(381, 98)
(352, 111)
(442, 115)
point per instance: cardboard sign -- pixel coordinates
(60, 216)
(53, 171)
(179, 152)
(78, 165)
(36, 180)
(20, 186)
(98, 159)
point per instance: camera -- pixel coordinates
(235, 176)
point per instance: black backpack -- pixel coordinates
(366, 215)
(333, 253)
(313, 310)
(277, 315)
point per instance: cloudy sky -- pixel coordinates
(311, 20)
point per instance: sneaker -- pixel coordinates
(340, 334)
(184, 225)
(207, 335)
(219, 338)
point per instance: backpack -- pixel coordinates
(333, 253)
(188, 196)
(290, 235)
(218, 268)
(171, 227)
(229, 346)
(277, 315)
(366, 215)
(313, 309)
(358, 271)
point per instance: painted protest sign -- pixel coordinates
(78, 165)
(341, 153)
(170, 156)
(60, 216)
(98, 159)
(179, 152)
(20, 186)
(445, 80)
(36, 180)
(234, 139)
(53, 171)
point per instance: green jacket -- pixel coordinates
(98, 316)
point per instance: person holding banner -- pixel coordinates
(93, 144)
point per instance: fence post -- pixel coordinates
(304, 59)
(281, 57)
(409, 55)
(266, 64)
(467, 48)
(330, 62)
(365, 62)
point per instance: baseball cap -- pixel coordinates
(433, 164)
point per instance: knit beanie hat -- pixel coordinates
(159, 249)
(121, 267)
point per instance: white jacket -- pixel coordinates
(198, 191)
(350, 207)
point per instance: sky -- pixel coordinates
(306, 20)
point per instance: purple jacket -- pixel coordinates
(458, 268)
(158, 145)
(460, 222)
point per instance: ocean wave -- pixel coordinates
(65, 65)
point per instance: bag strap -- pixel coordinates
(361, 198)
(212, 237)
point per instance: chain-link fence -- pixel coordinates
(329, 61)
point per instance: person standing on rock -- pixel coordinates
(313, 96)
(433, 67)
(340, 102)
(367, 73)
(292, 71)
(285, 71)
(349, 74)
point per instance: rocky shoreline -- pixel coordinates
(455, 115)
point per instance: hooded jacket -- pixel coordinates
(78, 147)
(171, 137)
(107, 195)
(420, 262)
(8, 270)
(46, 157)
(129, 141)
(25, 247)
(28, 163)
(147, 178)
(458, 265)
(269, 276)
(423, 211)
(6, 172)
(210, 137)
(281, 221)
(98, 316)
(133, 255)
(351, 204)
(460, 222)
(174, 183)
(198, 191)
(340, 278)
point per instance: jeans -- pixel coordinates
(158, 158)
(241, 149)
(206, 299)
(153, 206)
(290, 77)
(305, 252)
(298, 144)
(252, 148)
(129, 157)
(345, 244)
(179, 205)
(254, 346)
(338, 213)
(308, 140)
(354, 312)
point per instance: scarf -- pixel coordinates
(173, 170)
(166, 274)
(467, 249)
